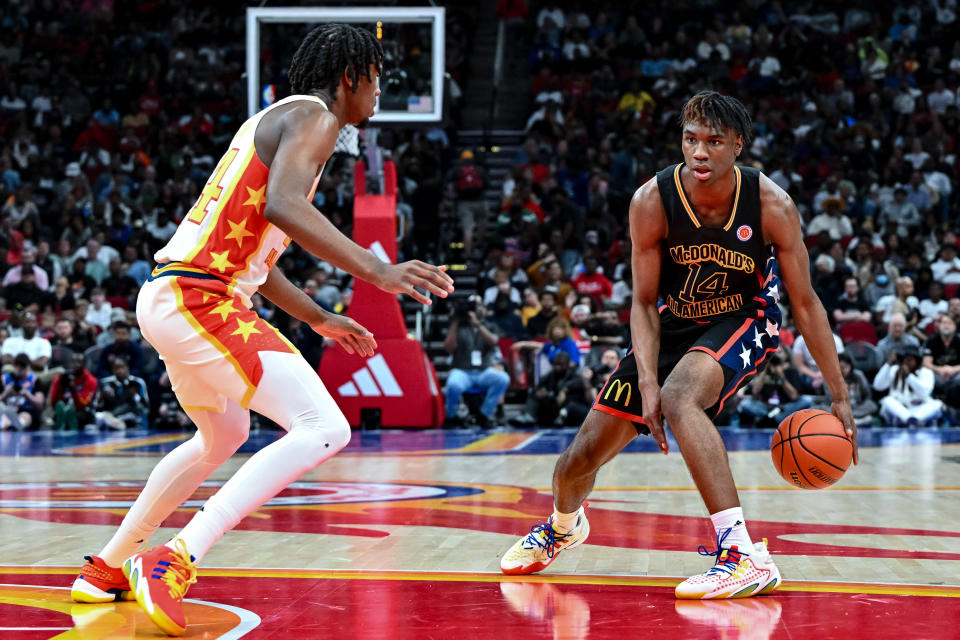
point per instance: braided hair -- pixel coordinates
(719, 111)
(327, 51)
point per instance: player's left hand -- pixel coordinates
(408, 277)
(348, 333)
(844, 412)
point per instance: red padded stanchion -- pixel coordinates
(399, 380)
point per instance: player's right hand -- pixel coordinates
(652, 415)
(348, 333)
(408, 277)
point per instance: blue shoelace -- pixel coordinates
(551, 537)
(727, 559)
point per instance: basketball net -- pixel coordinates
(348, 141)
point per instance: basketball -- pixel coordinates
(811, 449)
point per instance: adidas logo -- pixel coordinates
(737, 523)
(374, 379)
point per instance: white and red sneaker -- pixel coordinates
(534, 551)
(98, 582)
(737, 574)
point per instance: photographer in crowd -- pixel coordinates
(20, 402)
(71, 395)
(774, 393)
(122, 401)
(909, 400)
(473, 344)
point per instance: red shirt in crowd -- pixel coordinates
(594, 285)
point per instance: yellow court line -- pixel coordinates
(873, 588)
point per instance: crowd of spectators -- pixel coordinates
(112, 117)
(855, 113)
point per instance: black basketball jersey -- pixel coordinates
(709, 272)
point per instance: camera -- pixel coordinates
(776, 360)
(462, 309)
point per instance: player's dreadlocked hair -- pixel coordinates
(327, 51)
(722, 112)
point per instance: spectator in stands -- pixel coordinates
(136, 267)
(774, 392)
(469, 181)
(593, 283)
(118, 284)
(810, 380)
(559, 397)
(80, 283)
(851, 306)
(123, 347)
(36, 349)
(98, 257)
(832, 220)
(100, 312)
(505, 316)
(28, 262)
(473, 344)
(531, 305)
(122, 401)
(941, 354)
(900, 215)
(932, 306)
(25, 295)
(501, 285)
(537, 325)
(20, 401)
(861, 393)
(901, 301)
(897, 338)
(559, 338)
(62, 345)
(71, 396)
(910, 386)
(946, 269)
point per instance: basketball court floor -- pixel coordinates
(399, 536)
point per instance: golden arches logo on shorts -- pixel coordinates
(620, 387)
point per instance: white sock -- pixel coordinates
(733, 519)
(564, 522)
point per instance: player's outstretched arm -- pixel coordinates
(307, 137)
(348, 333)
(648, 226)
(781, 228)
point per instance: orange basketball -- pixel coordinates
(810, 449)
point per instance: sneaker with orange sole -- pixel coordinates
(99, 583)
(738, 573)
(159, 578)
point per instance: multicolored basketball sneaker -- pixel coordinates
(98, 583)
(537, 549)
(160, 578)
(736, 574)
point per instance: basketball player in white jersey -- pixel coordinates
(224, 360)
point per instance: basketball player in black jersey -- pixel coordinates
(710, 242)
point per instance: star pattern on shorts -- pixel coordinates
(238, 232)
(220, 261)
(745, 356)
(757, 338)
(773, 292)
(245, 329)
(256, 197)
(225, 308)
(772, 329)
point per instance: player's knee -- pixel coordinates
(323, 435)
(675, 400)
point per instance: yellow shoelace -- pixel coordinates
(181, 573)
